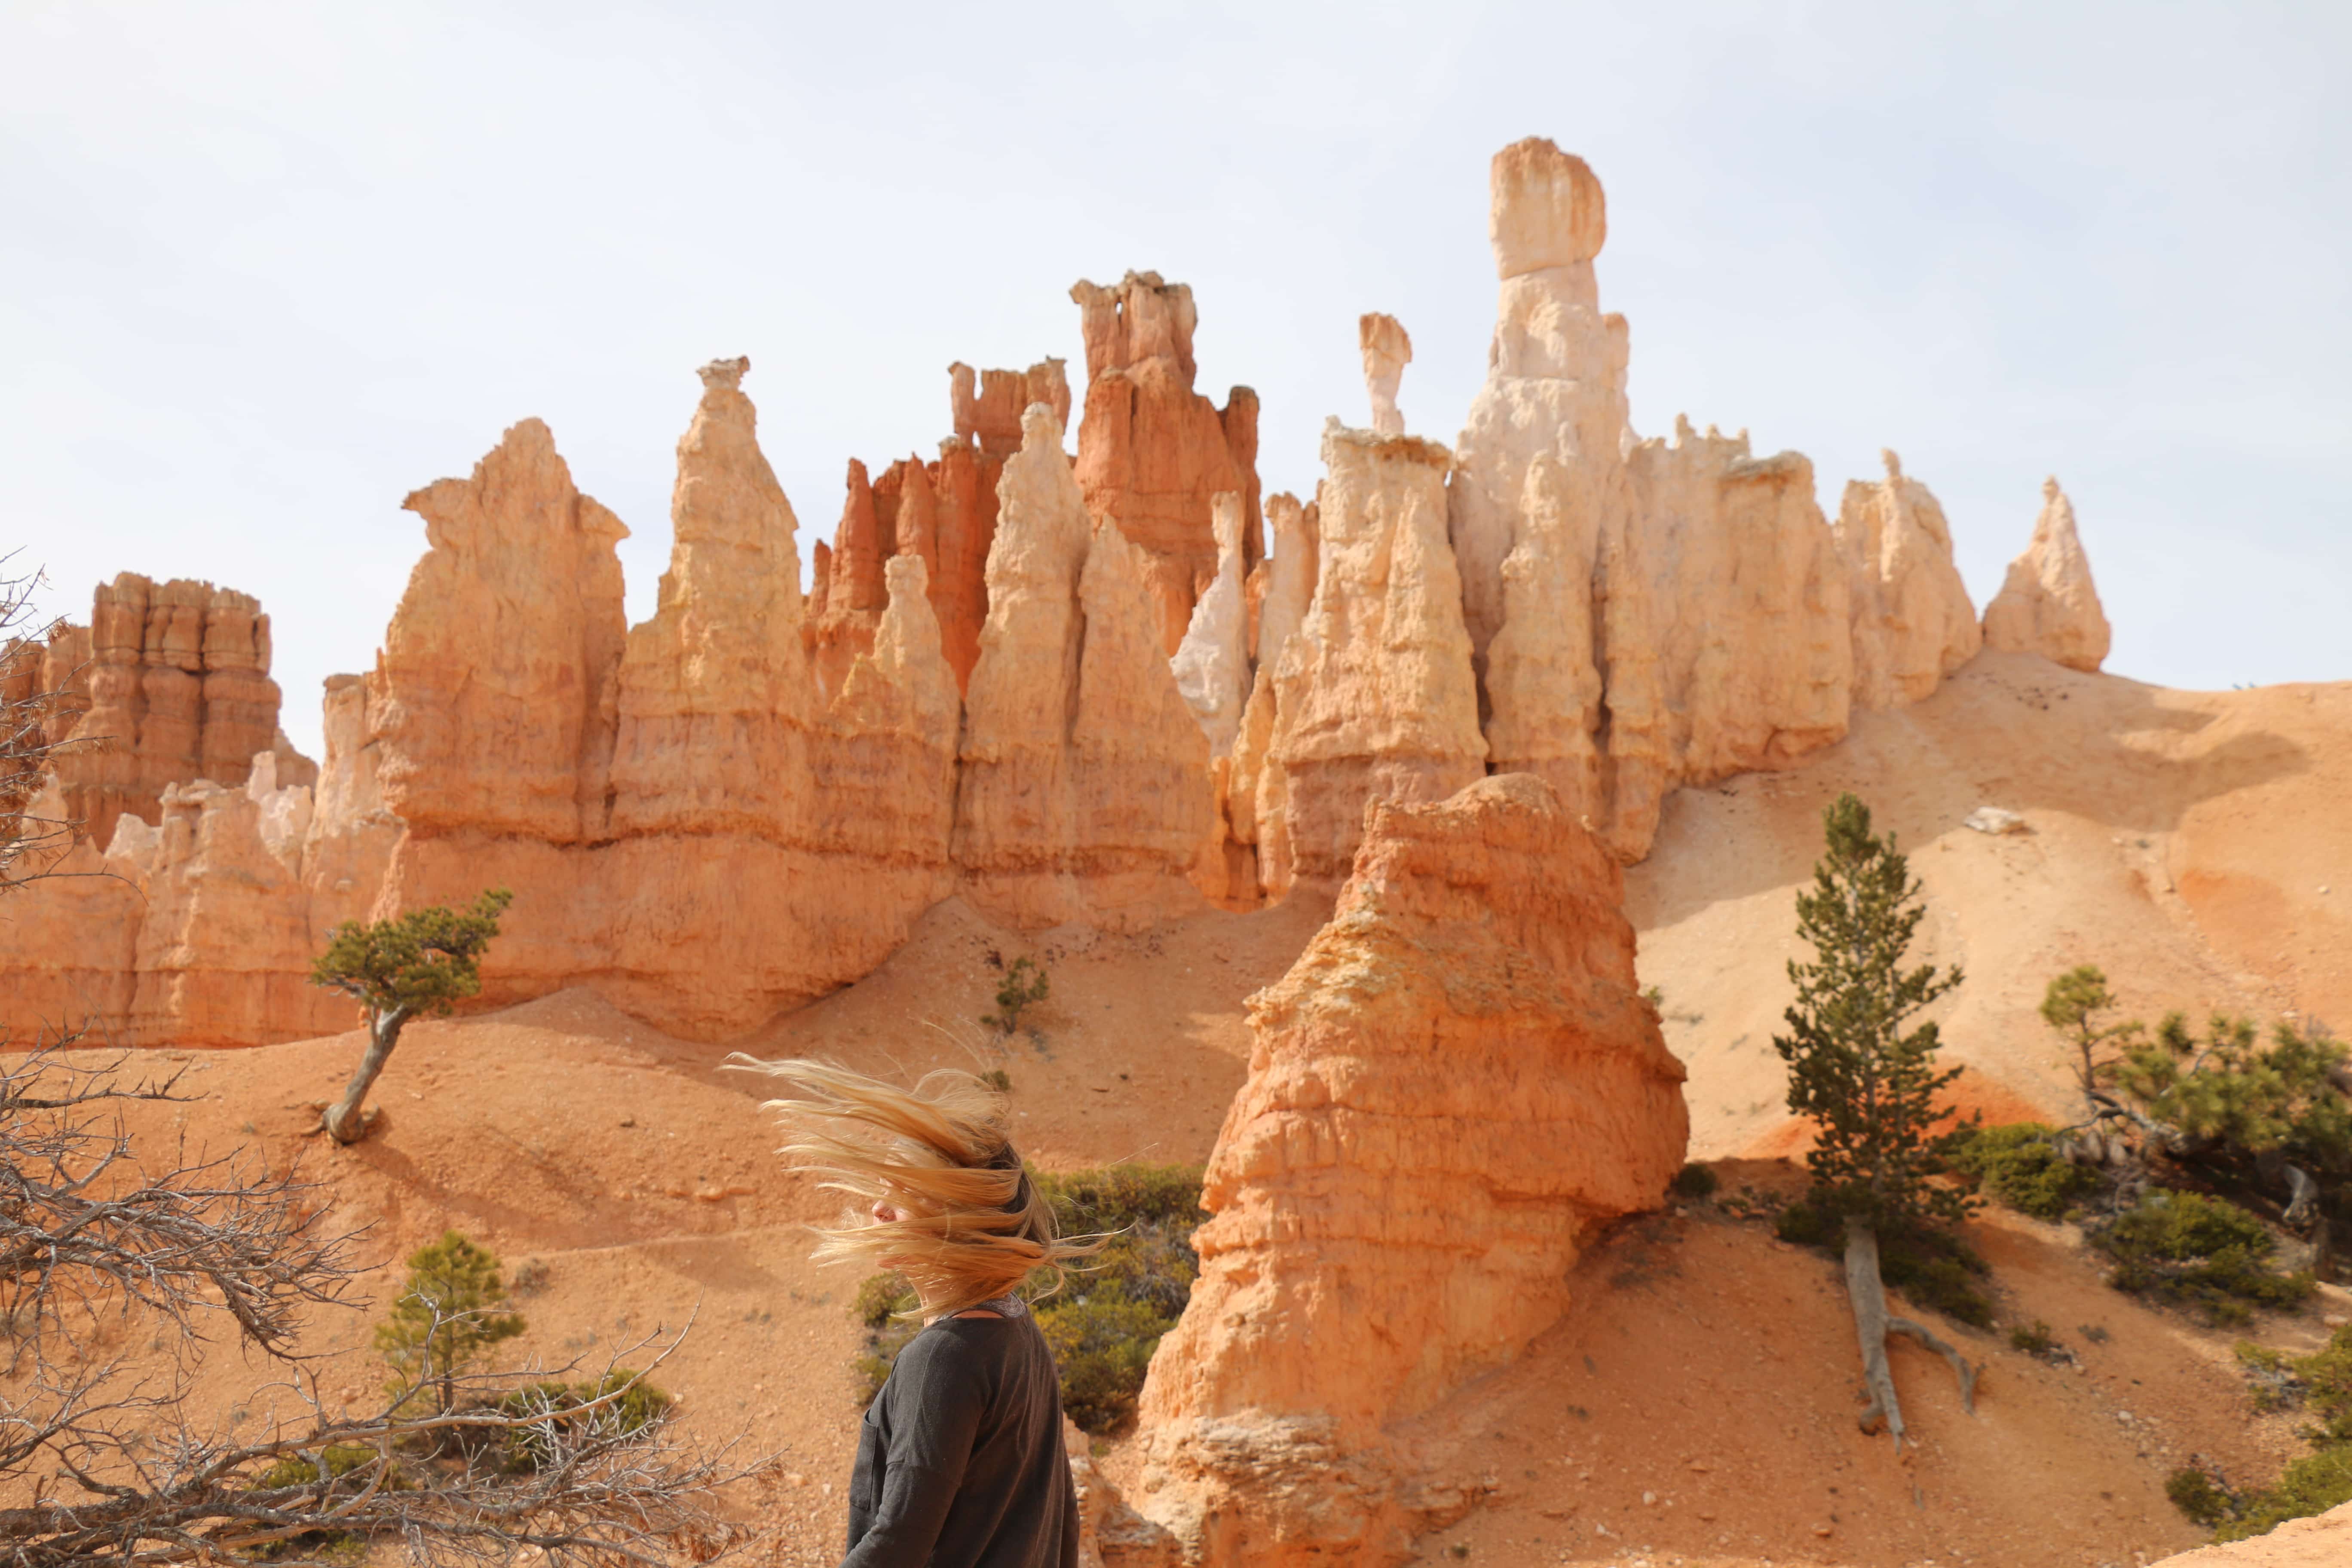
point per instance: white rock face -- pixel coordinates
(1912, 622)
(1211, 663)
(2049, 604)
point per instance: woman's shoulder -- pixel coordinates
(946, 1353)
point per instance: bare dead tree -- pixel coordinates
(29, 845)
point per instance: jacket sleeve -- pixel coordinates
(935, 1410)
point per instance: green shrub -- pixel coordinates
(2327, 1387)
(1695, 1182)
(2033, 1338)
(1102, 1347)
(2200, 1498)
(334, 1546)
(445, 1318)
(2018, 1165)
(886, 1306)
(341, 1459)
(1024, 984)
(2201, 1252)
(1932, 1266)
(2313, 1484)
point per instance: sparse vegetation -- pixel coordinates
(1932, 1266)
(2318, 1481)
(2313, 1484)
(2200, 1498)
(2199, 1251)
(1695, 1182)
(1105, 1323)
(2033, 1338)
(1866, 1077)
(424, 961)
(1024, 985)
(2019, 1166)
(445, 1318)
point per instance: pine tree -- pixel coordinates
(2071, 1007)
(1868, 1082)
(422, 962)
(445, 1316)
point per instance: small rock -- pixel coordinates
(1649, 1500)
(628, 1122)
(1993, 819)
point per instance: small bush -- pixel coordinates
(2200, 1498)
(334, 1546)
(998, 1079)
(2033, 1338)
(2326, 1377)
(1102, 1347)
(1024, 984)
(2313, 1484)
(2018, 1165)
(1803, 1223)
(558, 1407)
(1695, 1182)
(341, 1459)
(2201, 1252)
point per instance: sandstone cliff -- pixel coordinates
(2048, 605)
(1912, 622)
(1454, 1086)
(1151, 451)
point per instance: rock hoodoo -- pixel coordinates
(1387, 349)
(1912, 622)
(2048, 604)
(169, 682)
(1454, 1086)
(1211, 663)
(1373, 696)
(1153, 452)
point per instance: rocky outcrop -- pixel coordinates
(1151, 451)
(1080, 760)
(1373, 694)
(2048, 604)
(891, 741)
(491, 705)
(1211, 664)
(988, 405)
(1912, 622)
(69, 944)
(1387, 349)
(1455, 1084)
(843, 621)
(170, 682)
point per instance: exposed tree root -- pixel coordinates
(1872, 1324)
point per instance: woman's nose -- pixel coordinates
(885, 1215)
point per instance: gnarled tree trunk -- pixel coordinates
(1873, 1323)
(343, 1119)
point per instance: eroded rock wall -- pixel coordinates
(1452, 1086)
(1153, 452)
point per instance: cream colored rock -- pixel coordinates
(1151, 451)
(1290, 574)
(1211, 664)
(1454, 1085)
(1256, 797)
(1374, 699)
(1083, 789)
(68, 944)
(1387, 349)
(1542, 683)
(890, 759)
(2048, 604)
(1913, 624)
(491, 702)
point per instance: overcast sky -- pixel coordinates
(266, 269)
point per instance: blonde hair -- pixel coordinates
(973, 1226)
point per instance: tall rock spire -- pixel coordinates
(2048, 605)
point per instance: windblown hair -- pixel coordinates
(973, 1225)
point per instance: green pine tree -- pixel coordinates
(2071, 1005)
(1865, 1074)
(422, 962)
(445, 1316)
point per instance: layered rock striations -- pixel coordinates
(1455, 1084)
(169, 683)
(1153, 452)
(1080, 757)
(1373, 694)
(2048, 604)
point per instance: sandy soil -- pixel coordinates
(2180, 840)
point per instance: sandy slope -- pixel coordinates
(2178, 840)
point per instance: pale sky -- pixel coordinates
(266, 269)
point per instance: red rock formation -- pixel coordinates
(169, 683)
(1455, 1084)
(1151, 451)
(492, 700)
(843, 621)
(988, 415)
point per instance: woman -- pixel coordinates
(960, 1463)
